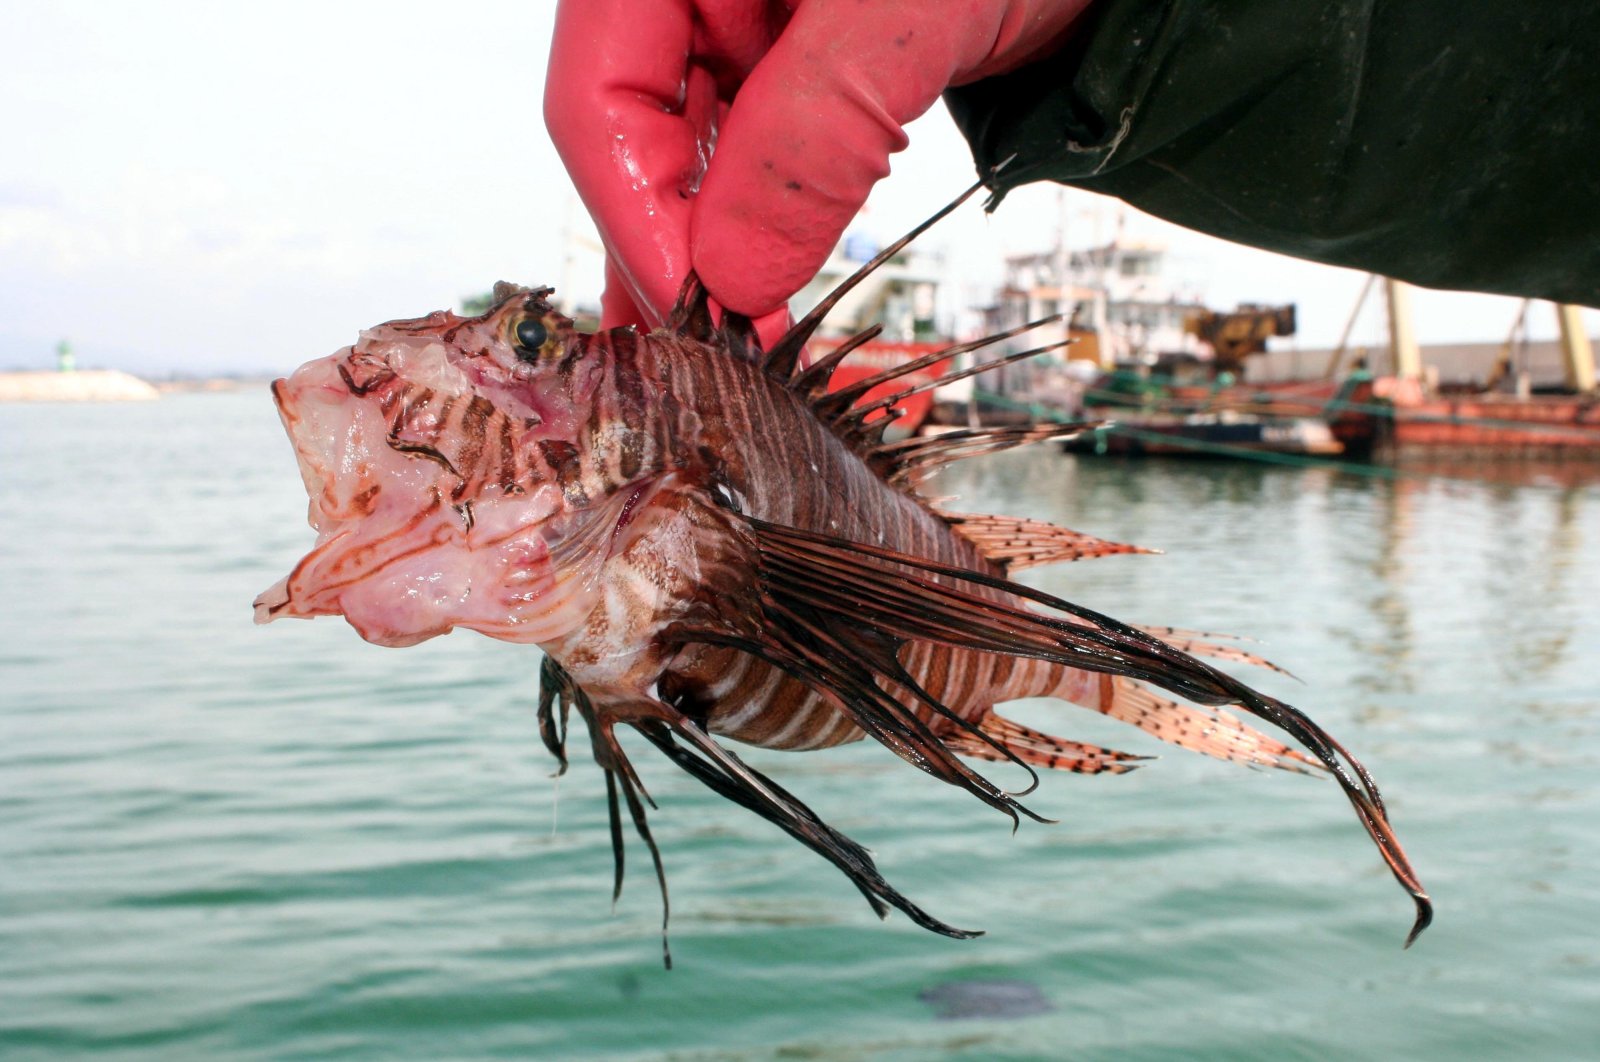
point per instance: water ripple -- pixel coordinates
(218, 841)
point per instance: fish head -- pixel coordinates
(413, 444)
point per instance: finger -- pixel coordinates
(617, 308)
(617, 103)
(812, 129)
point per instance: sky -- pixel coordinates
(222, 188)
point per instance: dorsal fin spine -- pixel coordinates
(860, 413)
(814, 380)
(913, 459)
(785, 354)
(691, 314)
(852, 425)
(739, 332)
(846, 395)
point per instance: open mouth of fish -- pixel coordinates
(396, 554)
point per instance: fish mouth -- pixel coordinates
(271, 601)
(407, 584)
(338, 438)
(372, 507)
(398, 554)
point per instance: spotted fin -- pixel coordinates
(1015, 542)
(1040, 749)
(1209, 730)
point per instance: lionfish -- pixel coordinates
(706, 541)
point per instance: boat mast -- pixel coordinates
(1576, 352)
(1403, 349)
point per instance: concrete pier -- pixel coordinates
(93, 385)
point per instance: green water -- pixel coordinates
(222, 841)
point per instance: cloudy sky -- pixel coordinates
(238, 188)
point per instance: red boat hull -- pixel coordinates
(879, 355)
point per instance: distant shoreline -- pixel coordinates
(213, 385)
(112, 385)
(89, 385)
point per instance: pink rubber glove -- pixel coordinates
(804, 102)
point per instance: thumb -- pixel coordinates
(809, 134)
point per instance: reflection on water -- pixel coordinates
(1516, 473)
(224, 842)
(1531, 565)
(1384, 641)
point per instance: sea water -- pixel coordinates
(222, 841)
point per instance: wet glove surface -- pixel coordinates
(803, 102)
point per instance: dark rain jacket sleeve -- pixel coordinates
(1455, 145)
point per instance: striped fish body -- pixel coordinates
(779, 462)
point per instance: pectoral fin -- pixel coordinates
(683, 741)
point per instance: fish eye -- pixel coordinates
(531, 336)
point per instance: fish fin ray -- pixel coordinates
(1211, 731)
(740, 335)
(642, 826)
(812, 382)
(838, 401)
(912, 460)
(1016, 542)
(834, 657)
(785, 353)
(555, 688)
(1203, 643)
(853, 418)
(687, 744)
(691, 314)
(556, 685)
(725, 774)
(618, 846)
(1041, 749)
(691, 317)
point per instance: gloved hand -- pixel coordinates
(804, 103)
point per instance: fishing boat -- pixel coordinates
(1149, 356)
(1163, 370)
(1117, 308)
(1181, 406)
(1221, 434)
(1152, 359)
(1487, 401)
